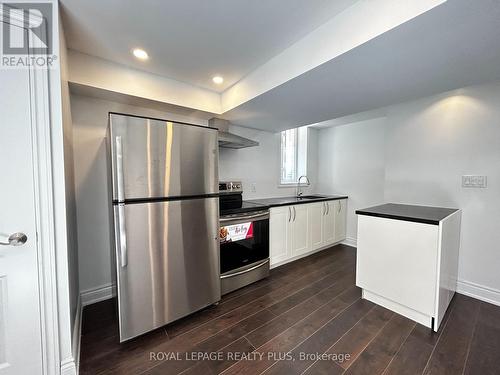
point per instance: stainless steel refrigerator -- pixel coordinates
(166, 220)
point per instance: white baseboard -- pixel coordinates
(98, 294)
(479, 292)
(77, 333)
(68, 367)
(350, 241)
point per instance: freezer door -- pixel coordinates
(155, 159)
(167, 260)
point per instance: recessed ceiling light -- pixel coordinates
(218, 80)
(140, 54)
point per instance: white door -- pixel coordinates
(340, 219)
(279, 234)
(316, 212)
(329, 223)
(20, 336)
(300, 230)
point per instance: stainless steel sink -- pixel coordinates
(311, 197)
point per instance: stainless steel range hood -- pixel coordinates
(227, 139)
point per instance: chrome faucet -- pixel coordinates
(299, 191)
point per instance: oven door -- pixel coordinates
(244, 242)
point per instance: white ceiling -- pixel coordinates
(445, 46)
(453, 45)
(193, 40)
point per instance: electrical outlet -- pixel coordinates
(474, 181)
(253, 187)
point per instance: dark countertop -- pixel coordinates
(406, 212)
(287, 201)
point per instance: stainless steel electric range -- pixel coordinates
(244, 238)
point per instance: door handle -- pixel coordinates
(289, 214)
(294, 213)
(327, 208)
(323, 209)
(122, 235)
(15, 239)
(120, 186)
(340, 207)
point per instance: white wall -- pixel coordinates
(427, 145)
(71, 225)
(261, 165)
(352, 162)
(64, 203)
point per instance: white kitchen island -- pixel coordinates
(407, 259)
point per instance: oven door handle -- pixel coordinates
(243, 218)
(245, 271)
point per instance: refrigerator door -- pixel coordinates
(167, 260)
(156, 159)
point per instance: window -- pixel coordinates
(293, 155)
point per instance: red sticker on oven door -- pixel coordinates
(236, 232)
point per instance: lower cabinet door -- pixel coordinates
(340, 212)
(329, 223)
(279, 234)
(316, 212)
(300, 229)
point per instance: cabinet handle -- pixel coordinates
(323, 209)
(294, 214)
(327, 208)
(289, 214)
(340, 206)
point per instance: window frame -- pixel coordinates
(299, 172)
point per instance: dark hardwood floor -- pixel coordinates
(281, 325)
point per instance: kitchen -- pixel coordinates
(219, 209)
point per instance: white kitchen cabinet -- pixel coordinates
(315, 221)
(279, 234)
(339, 210)
(409, 264)
(298, 230)
(328, 223)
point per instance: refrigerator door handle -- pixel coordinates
(120, 187)
(122, 235)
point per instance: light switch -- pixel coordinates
(474, 181)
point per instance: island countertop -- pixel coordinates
(406, 212)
